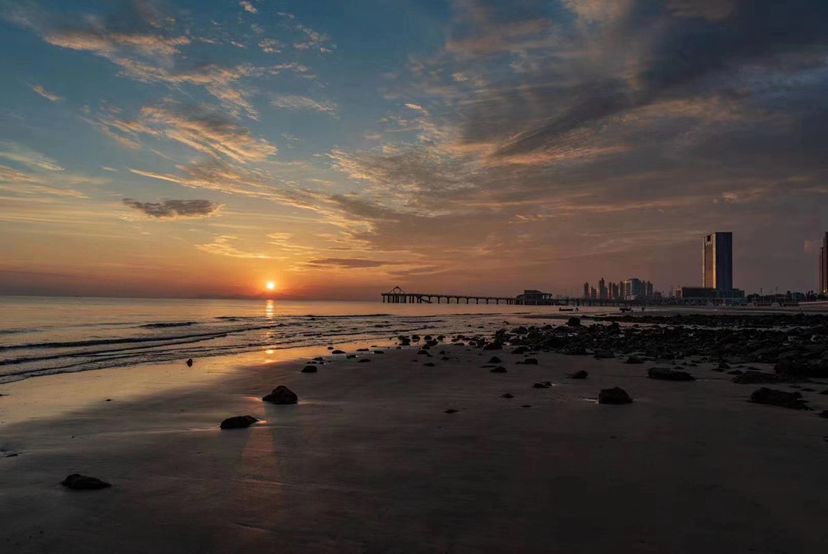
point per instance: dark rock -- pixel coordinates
(337, 351)
(735, 372)
(190, 362)
(309, 369)
(495, 360)
(507, 395)
(493, 346)
(520, 350)
(79, 482)
(723, 365)
(429, 364)
(422, 352)
(526, 406)
(544, 385)
(603, 354)
(615, 395)
(238, 422)
(824, 413)
(281, 395)
(350, 356)
(780, 398)
(451, 411)
(757, 377)
(580, 374)
(666, 374)
(499, 369)
(824, 392)
(531, 361)
(574, 322)
(633, 360)
(378, 352)
(364, 360)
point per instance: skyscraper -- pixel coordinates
(717, 261)
(823, 265)
(602, 289)
(586, 290)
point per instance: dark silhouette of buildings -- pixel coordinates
(823, 265)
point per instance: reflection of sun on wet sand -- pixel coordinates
(426, 449)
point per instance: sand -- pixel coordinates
(369, 461)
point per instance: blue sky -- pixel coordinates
(346, 147)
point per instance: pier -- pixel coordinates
(399, 296)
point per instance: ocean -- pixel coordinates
(47, 335)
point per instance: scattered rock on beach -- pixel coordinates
(507, 395)
(281, 395)
(580, 374)
(363, 360)
(79, 482)
(238, 422)
(543, 385)
(494, 360)
(451, 411)
(499, 369)
(309, 369)
(190, 362)
(666, 374)
(429, 364)
(530, 361)
(337, 351)
(615, 395)
(574, 322)
(757, 377)
(633, 360)
(779, 398)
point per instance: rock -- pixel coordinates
(364, 360)
(520, 350)
(499, 369)
(79, 482)
(238, 422)
(190, 362)
(429, 364)
(544, 385)
(574, 322)
(379, 352)
(451, 411)
(362, 350)
(281, 395)
(757, 377)
(526, 406)
(507, 395)
(615, 395)
(309, 369)
(337, 351)
(492, 346)
(633, 360)
(603, 354)
(723, 365)
(350, 356)
(666, 374)
(735, 372)
(824, 413)
(580, 374)
(824, 392)
(423, 352)
(779, 398)
(530, 361)
(494, 360)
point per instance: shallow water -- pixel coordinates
(42, 336)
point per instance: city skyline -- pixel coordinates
(334, 150)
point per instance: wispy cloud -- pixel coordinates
(295, 102)
(248, 7)
(174, 209)
(46, 94)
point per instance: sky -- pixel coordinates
(204, 148)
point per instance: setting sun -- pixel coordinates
(270, 285)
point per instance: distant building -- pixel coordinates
(708, 293)
(593, 294)
(823, 266)
(586, 290)
(634, 288)
(614, 291)
(717, 261)
(648, 289)
(602, 289)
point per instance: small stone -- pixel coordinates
(615, 395)
(494, 360)
(364, 360)
(531, 361)
(238, 422)
(544, 385)
(190, 362)
(526, 406)
(507, 395)
(79, 482)
(580, 374)
(337, 351)
(309, 369)
(499, 369)
(281, 395)
(634, 360)
(666, 374)
(429, 364)
(574, 322)
(824, 413)
(451, 411)
(773, 397)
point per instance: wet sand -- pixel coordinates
(369, 461)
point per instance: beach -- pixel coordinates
(369, 460)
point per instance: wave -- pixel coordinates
(163, 325)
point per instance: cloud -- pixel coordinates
(248, 7)
(174, 209)
(222, 246)
(27, 157)
(347, 263)
(46, 94)
(294, 102)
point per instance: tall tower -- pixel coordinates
(717, 261)
(823, 265)
(586, 289)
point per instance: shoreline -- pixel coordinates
(369, 460)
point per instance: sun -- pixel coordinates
(271, 286)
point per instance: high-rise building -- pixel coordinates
(602, 289)
(586, 290)
(717, 261)
(649, 289)
(593, 293)
(823, 265)
(634, 288)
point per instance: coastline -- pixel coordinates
(369, 461)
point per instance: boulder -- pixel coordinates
(666, 374)
(531, 361)
(779, 398)
(79, 482)
(499, 369)
(574, 322)
(507, 395)
(281, 395)
(364, 360)
(429, 364)
(544, 385)
(615, 395)
(238, 422)
(337, 351)
(451, 411)
(580, 374)
(309, 369)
